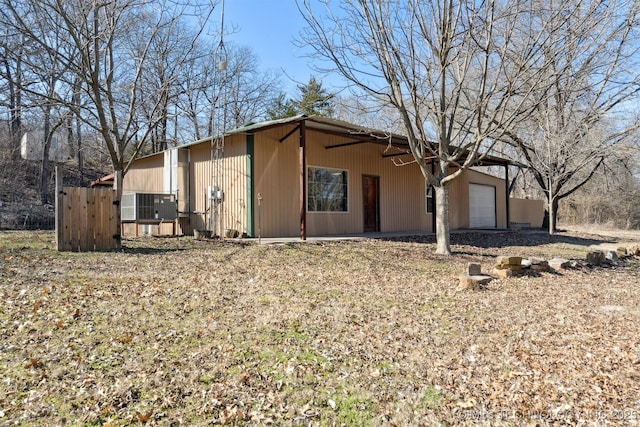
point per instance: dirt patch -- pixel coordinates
(371, 332)
(619, 236)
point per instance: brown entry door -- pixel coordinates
(370, 196)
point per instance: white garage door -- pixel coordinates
(482, 206)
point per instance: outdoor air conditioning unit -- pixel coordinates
(148, 207)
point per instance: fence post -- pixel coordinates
(59, 209)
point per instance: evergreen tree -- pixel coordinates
(314, 99)
(281, 107)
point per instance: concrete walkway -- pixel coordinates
(379, 235)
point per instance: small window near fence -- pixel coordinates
(428, 198)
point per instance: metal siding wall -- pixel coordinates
(235, 189)
(276, 168)
(183, 181)
(251, 196)
(459, 202)
(235, 183)
(199, 181)
(145, 175)
(276, 178)
(459, 198)
(527, 211)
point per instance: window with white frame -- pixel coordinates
(326, 190)
(428, 198)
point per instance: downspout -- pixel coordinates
(250, 186)
(303, 181)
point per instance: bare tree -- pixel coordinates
(354, 108)
(247, 93)
(587, 115)
(11, 48)
(45, 85)
(40, 83)
(74, 126)
(249, 89)
(611, 197)
(108, 66)
(194, 85)
(440, 65)
(160, 84)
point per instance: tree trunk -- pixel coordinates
(80, 153)
(163, 132)
(77, 120)
(553, 215)
(443, 238)
(44, 171)
(15, 106)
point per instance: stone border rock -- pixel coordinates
(510, 266)
(473, 279)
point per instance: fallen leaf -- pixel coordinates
(466, 404)
(143, 418)
(32, 363)
(37, 306)
(126, 339)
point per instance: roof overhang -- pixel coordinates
(355, 135)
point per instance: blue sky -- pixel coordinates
(269, 27)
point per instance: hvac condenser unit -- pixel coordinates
(148, 207)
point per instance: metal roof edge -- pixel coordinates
(327, 121)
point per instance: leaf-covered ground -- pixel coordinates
(178, 332)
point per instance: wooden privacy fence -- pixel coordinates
(86, 218)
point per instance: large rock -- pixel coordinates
(559, 263)
(502, 273)
(468, 282)
(538, 264)
(474, 269)
(507, 266)
(595, 258)
(503, 262)
(539, 268)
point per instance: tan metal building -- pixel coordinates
(311, 176)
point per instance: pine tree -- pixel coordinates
(314, 99)
(281, 108)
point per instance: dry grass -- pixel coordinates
(183, 332)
